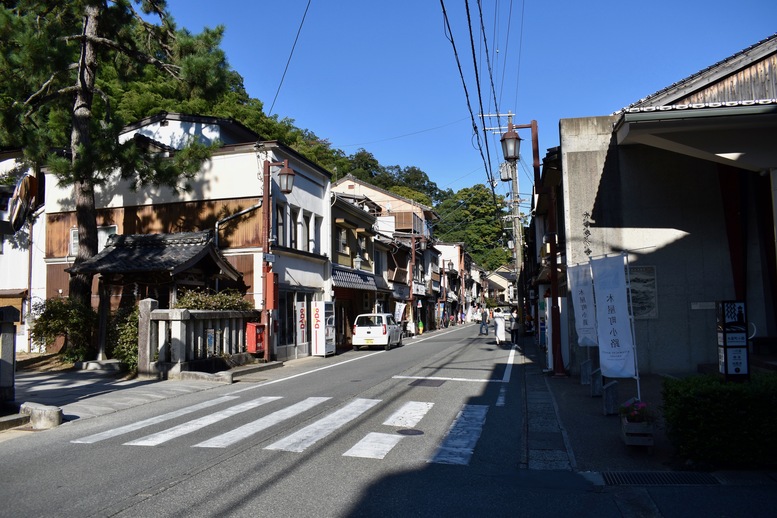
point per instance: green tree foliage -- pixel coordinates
(124, 337)
(65, 66)
(63, 317)
(470, 216)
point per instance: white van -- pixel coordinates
(376, 329)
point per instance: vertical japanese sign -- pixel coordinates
(399, 311)
(301, 317)
(583, 299)
(317, 328)
(616, 344)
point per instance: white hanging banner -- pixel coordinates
(616, 343)
(583, 299)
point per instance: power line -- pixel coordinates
(475, 131)
(299, 30)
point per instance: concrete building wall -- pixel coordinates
(666, 211)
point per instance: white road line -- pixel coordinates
(264, 384)
(154, 420)
(460, 440)
(299, 441)
(252, 428)
(502, 397)
(374, 446)
(446, 379)
(192, 426)
(409, 415)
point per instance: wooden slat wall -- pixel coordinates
(245, 264)
(755, 82)
(244, 231)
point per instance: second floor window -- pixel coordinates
(293, 228)
(280, 225)
(342, 241)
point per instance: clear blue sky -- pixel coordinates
(381, 75)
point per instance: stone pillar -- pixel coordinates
(7, 362)
(179, 323)
(146, 338)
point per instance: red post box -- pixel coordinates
(254, 338)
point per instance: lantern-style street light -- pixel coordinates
(511, 144)
(285, 184)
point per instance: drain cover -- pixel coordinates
(658, 478)
(427, 383)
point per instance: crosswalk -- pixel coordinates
(456, 446)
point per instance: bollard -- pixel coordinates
(610, 400)
(585, 372)
(596, 383)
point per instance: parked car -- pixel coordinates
(376, 329)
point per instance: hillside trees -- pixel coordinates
(64, 66)
(469, 216)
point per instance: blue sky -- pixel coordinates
(382, 75)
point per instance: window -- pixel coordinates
(280, 225)
(293, 228)
(103, 233)
(315, 236)
(380, 263)
(304, 233)
(342, 240)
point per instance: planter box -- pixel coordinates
(636, 434)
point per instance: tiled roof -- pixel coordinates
(355, 280)
(141, 253)
(663, 99)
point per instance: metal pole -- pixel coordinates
(266, 303)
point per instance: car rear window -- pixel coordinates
(371, 320)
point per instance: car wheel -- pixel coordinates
(355, 347)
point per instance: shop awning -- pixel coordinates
(356, 280)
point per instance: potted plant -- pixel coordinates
(637, 420)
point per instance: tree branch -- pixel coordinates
(140, 56)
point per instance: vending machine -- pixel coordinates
(322, 328)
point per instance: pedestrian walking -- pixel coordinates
(499, 325)
(515, 326)
(483, 322)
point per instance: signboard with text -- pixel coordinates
(731, 322)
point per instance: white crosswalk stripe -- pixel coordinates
(254, 427)
(374, 446)
(192, 426)
(115, 432)
(462, 436)
(377, 445)
(456, 447)
(301, 440)
(409, 415)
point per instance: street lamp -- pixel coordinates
(285, 184)
(510, 147)
(511, 143)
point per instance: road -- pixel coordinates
(433, 428)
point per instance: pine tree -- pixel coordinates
(63, 66)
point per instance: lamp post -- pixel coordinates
(285, 184)
(510, 148)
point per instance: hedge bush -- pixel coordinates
(717, 424)
(124, 335)
(227, 300)
(62, 316)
